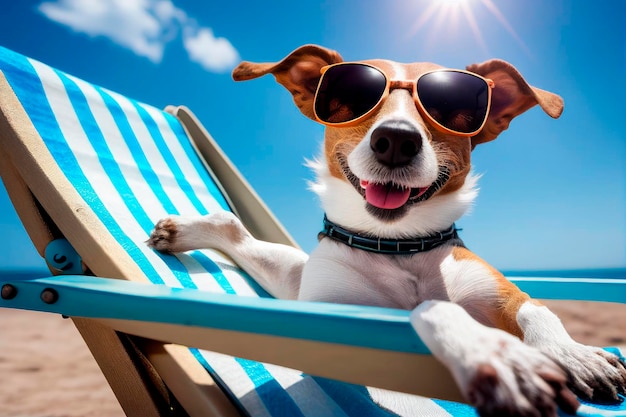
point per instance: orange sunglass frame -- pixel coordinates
(405, 85)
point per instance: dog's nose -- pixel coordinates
(395, 143)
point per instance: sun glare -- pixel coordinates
(452, 2)
(446, 14)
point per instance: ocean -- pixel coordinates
(616, 273)
(613, 273)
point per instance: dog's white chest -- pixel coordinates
(337, 273)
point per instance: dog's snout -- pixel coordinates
(395, 143)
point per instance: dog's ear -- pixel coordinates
(511, 96)
(298, 72)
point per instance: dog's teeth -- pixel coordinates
(364, 184)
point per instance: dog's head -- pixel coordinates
(396, 172)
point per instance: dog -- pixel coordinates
(394, 176)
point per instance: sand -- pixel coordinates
(46, 369)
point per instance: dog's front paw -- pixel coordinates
(498, 373)
(518, 380)
(219, 230)
(164, 236)
(595, 374)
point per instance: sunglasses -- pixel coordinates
(454, 101)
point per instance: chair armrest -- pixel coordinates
(363, 345)
(359, 344)
(102, 298)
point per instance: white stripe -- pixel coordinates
(405, 405)
(92, 168)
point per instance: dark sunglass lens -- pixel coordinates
(456, 100)
(347, 92)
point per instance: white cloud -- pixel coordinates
(214, 54)
(127, 23)
(144, 27)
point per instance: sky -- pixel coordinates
(552, 192)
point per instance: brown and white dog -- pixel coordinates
(395, 178)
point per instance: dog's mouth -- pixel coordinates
(389, 201)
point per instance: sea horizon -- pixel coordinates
(605, 273)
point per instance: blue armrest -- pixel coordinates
(380, 342)
(102, 298)
(92, 297)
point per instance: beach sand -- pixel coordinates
(46, 369)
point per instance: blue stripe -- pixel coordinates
(192, 155)
(151, 178)
(29, 89)
(456, 409)
(211, 267)
(277, 401)
(161, 144)
(112, 169)
(354, 400)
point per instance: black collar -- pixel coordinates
(388, 246)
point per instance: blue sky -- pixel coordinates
(553, 192)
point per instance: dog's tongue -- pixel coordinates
(385, 196)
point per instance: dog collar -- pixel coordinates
(387, 246)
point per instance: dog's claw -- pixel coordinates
(595, 375)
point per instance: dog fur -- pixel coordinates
(509, 354)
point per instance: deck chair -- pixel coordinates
(90, 171)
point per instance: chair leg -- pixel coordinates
(139, 390)
(190, 383)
